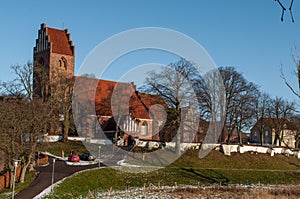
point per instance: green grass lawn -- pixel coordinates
(56, 148)
(189, 169)
(217, 159)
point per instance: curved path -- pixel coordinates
(62, 170)
(44, 178)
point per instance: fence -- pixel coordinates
(5, 178)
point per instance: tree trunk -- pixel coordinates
(261, 138)
(276, 139)
(240, 137)
(23, 173)
(177, 146)
(25, 166)
(179, 123)
(66, 126)
(228, 137)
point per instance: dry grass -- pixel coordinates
(280, 192)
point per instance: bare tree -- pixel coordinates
(210, 93)
(174, 84)
(283, 9)
(61, 88)
(296, 59)
(56, 90)
(23, 119)
(238, 103)
(22, 124)
(282, 110)
(37, 116)
(21, 86)
(295, 123)
(239, 95)
(10, 132)
(244, 109)
(263, 105)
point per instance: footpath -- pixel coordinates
(44, 177)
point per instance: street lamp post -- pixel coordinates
(99, 155)
(14, 180)
(52, 179)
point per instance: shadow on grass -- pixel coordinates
(212, 176)
(294, 164)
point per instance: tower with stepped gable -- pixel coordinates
(53, 54)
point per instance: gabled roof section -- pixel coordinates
(60, 41)
(148, 106)
(112, 98)
(55, 40)
(120, 98)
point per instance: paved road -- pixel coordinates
(44, 177)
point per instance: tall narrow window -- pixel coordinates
(266, 133)
(144, 129)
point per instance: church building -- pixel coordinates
(54, 55)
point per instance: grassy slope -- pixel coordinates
(189, 169)
(56, 148)
(216, 159)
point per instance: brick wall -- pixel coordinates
(5, 178)
(43, 160)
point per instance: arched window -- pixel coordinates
(63, 63)
(144, 129)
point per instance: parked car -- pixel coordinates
(74, 158)
(87, 157)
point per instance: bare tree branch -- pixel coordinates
(288, 84)
(284, 9)
(291, 12)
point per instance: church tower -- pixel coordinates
(53, 54)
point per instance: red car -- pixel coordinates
(74, 158)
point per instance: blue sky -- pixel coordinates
(245, 34)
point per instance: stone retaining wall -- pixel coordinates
(227, 149)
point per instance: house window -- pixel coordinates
(144, 129)
(266, 133)
(255, 133)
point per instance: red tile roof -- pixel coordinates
(59, 41)
(153, 105)
(118, 98)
